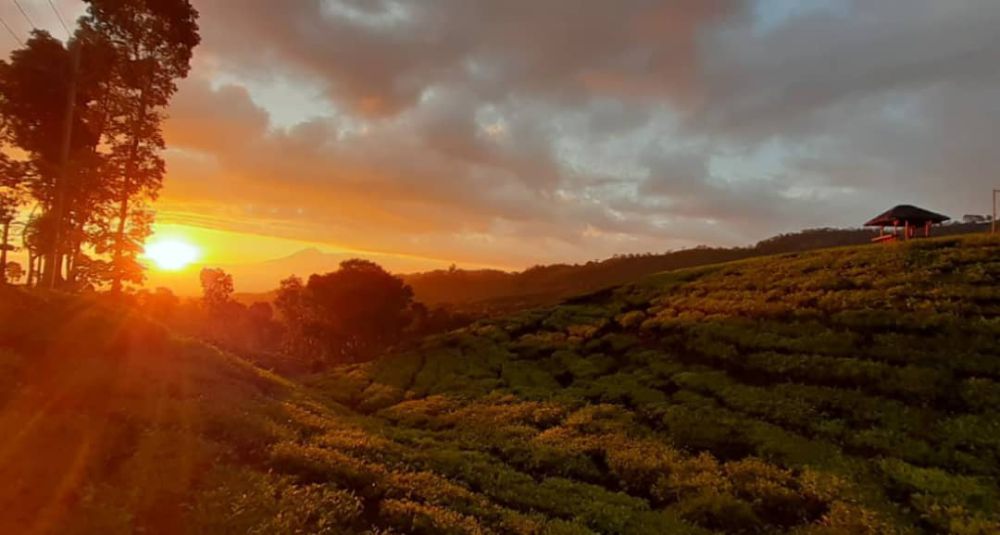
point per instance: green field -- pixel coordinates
(842, 391)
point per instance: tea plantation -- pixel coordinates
(842, 391)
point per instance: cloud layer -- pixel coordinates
(517, 132)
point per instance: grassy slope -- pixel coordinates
(495, 292)
(110, 424)
(841, 391)
(847, 390)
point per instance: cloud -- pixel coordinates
(522, 132)
(213, 120)
(766, 84)
(380, 57)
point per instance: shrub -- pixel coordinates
(244, 502)
(719, 511)
(417, 518)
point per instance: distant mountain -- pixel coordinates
(267, 274)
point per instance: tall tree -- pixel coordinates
(154, 40)
(35, 91)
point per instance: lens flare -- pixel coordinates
(172, 255)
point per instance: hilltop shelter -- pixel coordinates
(909, 218)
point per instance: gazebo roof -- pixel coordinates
(906, 213)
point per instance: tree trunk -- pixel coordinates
(46, 261)
(72, 262)
(53, 257)
(130, 164)
(31, 270)
(116, 282)
(3, 252)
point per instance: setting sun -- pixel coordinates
(172, 255)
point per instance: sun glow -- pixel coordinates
(172, 254)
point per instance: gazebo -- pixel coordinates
(910, 218)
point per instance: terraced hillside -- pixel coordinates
(842, 391)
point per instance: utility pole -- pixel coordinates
(54, 256)
(993, 222)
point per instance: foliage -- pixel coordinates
(13, 194)
(83, 119)
(13, 271)
(846, 391)
(351, 314)
(216, 288)
(152, 44)
(358, 309)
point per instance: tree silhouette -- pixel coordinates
(104, 92)
(216, 289)
(293, 309)
(34, 85)
(153, 40)
(358, 309)
(13, 271)
(12, 196)
(37, 238)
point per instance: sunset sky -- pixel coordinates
(511, 133)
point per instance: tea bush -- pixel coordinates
(848, 391)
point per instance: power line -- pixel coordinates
(24, 14)
(11, 32)
(60, 17)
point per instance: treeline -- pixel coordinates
(359, 311)
(494, 291)
(84, 121)
(349, 315)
